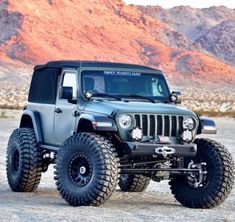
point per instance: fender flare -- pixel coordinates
(36, 123)
(206, 126)
(100, 122)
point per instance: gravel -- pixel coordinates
(155, 204)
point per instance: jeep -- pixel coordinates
(105, 124)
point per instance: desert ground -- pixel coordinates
(155, 204)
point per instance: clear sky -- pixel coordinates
(192, 3)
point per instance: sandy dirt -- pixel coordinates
(155, 204)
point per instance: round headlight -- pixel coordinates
(188, 124)
(125, 121)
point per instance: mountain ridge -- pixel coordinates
(106, 30)
(195, 24)
(112, 30)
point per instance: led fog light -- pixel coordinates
(136, 134)
(187, 136)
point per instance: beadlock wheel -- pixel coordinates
(212, 184)
(80, 170)
(86, 170)
(24, 161)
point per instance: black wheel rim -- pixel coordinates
(80, 170)
(16, 160)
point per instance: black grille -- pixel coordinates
(165, 125)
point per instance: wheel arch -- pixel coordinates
(85, 125)
(31, 119)
(206, 126)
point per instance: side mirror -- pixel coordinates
(66, 93)
(175, 97)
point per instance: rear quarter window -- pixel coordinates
(43, 86)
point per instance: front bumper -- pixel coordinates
(134, 149)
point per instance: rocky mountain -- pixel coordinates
(197, 25)
(220, 41)
(37, 31)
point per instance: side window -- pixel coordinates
(70, 80)
(44, 86)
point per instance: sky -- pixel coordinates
(192, 3)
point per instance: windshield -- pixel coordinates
(125, 84)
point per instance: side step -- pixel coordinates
(50, 148)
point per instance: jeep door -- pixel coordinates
(42, 98)
(64, 121)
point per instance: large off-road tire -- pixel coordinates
(87, 170)
(24, 161)
(217, 183)
(133, 183)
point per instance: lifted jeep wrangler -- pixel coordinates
(104, 124)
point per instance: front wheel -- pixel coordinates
(86, 170)
(210, 187)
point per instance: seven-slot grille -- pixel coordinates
(165, 125)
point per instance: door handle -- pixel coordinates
(58, 110)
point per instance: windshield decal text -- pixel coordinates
(122, 73)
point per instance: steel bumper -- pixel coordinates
(160, 150)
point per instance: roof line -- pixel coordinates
(84, 63)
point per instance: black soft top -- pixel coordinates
(78, 63)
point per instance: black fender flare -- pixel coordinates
(100, 122)
(206, 126)
(35, 123)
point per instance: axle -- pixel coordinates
(170, 170)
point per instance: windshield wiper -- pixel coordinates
(107, 95)
(141, 97)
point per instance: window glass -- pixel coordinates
(44, 86)
(126, 84)
(94, 83)
(70, 81)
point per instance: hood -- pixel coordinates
(107, 107)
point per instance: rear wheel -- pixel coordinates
(86, 170)
(24, 161)
(213, 185)
(133, 183)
